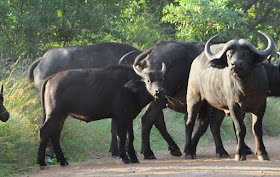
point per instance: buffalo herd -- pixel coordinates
(112, 80)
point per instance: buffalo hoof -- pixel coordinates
(135, 161)
(263, 157)
(222, 155)
(176, 152)
(249, 151)
(64, 163)
(126, 161)
(190, 156)
(240, 157)
(42, 164)
(149, 157)
(115, 154)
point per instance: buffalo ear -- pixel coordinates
(260, 59)
(134, 85)
(218, 63)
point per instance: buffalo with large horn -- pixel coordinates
(229, 77)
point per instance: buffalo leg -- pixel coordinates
(51, 128)
(42, 150)
(248, 149)
(152, 115)
(147, 122)
(193, 107)
(203, 122)
(237, 117)
(58, 151)
(130, 146)
(114, 142)
(161, 126)
(216, 120)
(121, 134)
(257, 130)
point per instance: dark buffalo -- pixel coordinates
(4, 114)
(273, 76)
(92, 56)
(177, 56)
(92, 94)
(233, 80)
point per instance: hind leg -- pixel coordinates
(58, 151)
(193, 107)
(203, 122)
(56, 144)
(216, 120)
(42, 150)
(51, 129)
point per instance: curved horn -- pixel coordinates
(212, 56)
(142, 56)
(163, 68)
(207, 50)
(137, 71)
(265, 52)
(120, 61)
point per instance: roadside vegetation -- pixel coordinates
(29, 28)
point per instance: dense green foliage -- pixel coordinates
(32, 27)
(29, 28)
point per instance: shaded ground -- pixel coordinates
(166, 165)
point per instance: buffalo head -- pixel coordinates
(4, 115)
(153, 80)
(239, 55)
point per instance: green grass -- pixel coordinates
(82, 141)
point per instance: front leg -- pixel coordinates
(237, 116)
(122, 124)
(154, 115)
(114, 142)
(161, 126)
(257, 131)
(130, 146)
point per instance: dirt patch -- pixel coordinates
(205, 165)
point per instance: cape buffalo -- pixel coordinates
(233, 80)
(92, 94)
(177, 56)
(273, 76)
(4, 114)
(92, 56)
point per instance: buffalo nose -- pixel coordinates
(237, 63)
(159, 91)
(5, 116)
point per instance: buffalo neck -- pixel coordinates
(254, 83)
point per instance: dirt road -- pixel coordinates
(166, 165)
